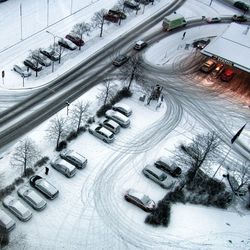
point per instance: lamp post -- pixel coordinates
(211, 2)
(54, 36)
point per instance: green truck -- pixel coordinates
(173, 21)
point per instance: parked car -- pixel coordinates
(102, 133)
(213, 19)
(74, 158)
(120, 60)
(66, 44)
(6, 222)
(41, 59)
(140, 200)
(111, 18)
(22, 70)
(201, 43)
(111, 125)
(208, 66)
(242, 6)
(118, 117)
(139, 45)
(158, 176)
(15, 206)
(173, 170)
(31, 197)
(75, 39)
(218, 69)
(144, 2)
(33, 64)
(227, 75)
(44, 187)
(132, 5)
(239, 19)
(119, 13)
(51, 54)
(63, 167)
(122, 108)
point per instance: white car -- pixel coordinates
(32, 198)
(6, 222)
(122, 108)
(111, 125)
(102, 133)
(139, 45)
(17, 208)
(74, 158)
(22, 70)
(63, 167)
(213, 19)
(67, 44)
(118, 117)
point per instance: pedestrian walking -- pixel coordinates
(46, 170)
(183, 36)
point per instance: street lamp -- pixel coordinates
(54, 36)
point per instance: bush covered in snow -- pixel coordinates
(62, 145)
(4, 238)
(18, 181)
(29, 172)
(7, 190)
(42, 161)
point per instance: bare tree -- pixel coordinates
(59, 49)
(79, 114)
(98, 20)
(81, 28)
(107, 92)
(25, 154)
(133, 70)
(199, 153)
(57, 130)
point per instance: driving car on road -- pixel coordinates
(158, 176)
(63, 167)
(102, 133)
(139, 45)
(32, 198)
(173, 169)
(111, 125)
(51, 54)
(239, 19)
(213, 19)
(44, 187)
(67, 44)
(42, 59)
(22, 70)
(6, 222)
(75, 39)
(15, 206)
(122, 108)
(74, 158)
(118, 117)
(120, 60)
(33, 64)
(140, 200)
(201, 43)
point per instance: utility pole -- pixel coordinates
(211, 2)
(47, 13)
(67, 104)
(71, 7)
(21, 21)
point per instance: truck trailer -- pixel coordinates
(173, 21)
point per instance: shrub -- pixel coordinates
(126, 92)
(72, 135)
(222, 200)
(161, 215)
(62, 145)
(4, 237)
(29, 172)
(18, 181)
(177, 195)
(82, 129)
(42, 161)
(102, 110)
(91, 120)
(7, 190)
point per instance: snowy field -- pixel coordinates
(90, 212)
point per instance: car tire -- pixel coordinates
(105, 141)
(91, 132)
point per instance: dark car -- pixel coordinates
(51, 54)
(239, 19)
(33, 64)
(44, 187)
(111, 18)
(140, 200)
(118, 13)
(42, 59)
(201, 44)
(131, 5)
(75, 39)
(173, 169)
(242, 6)
(144, 2)
(120, 60)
